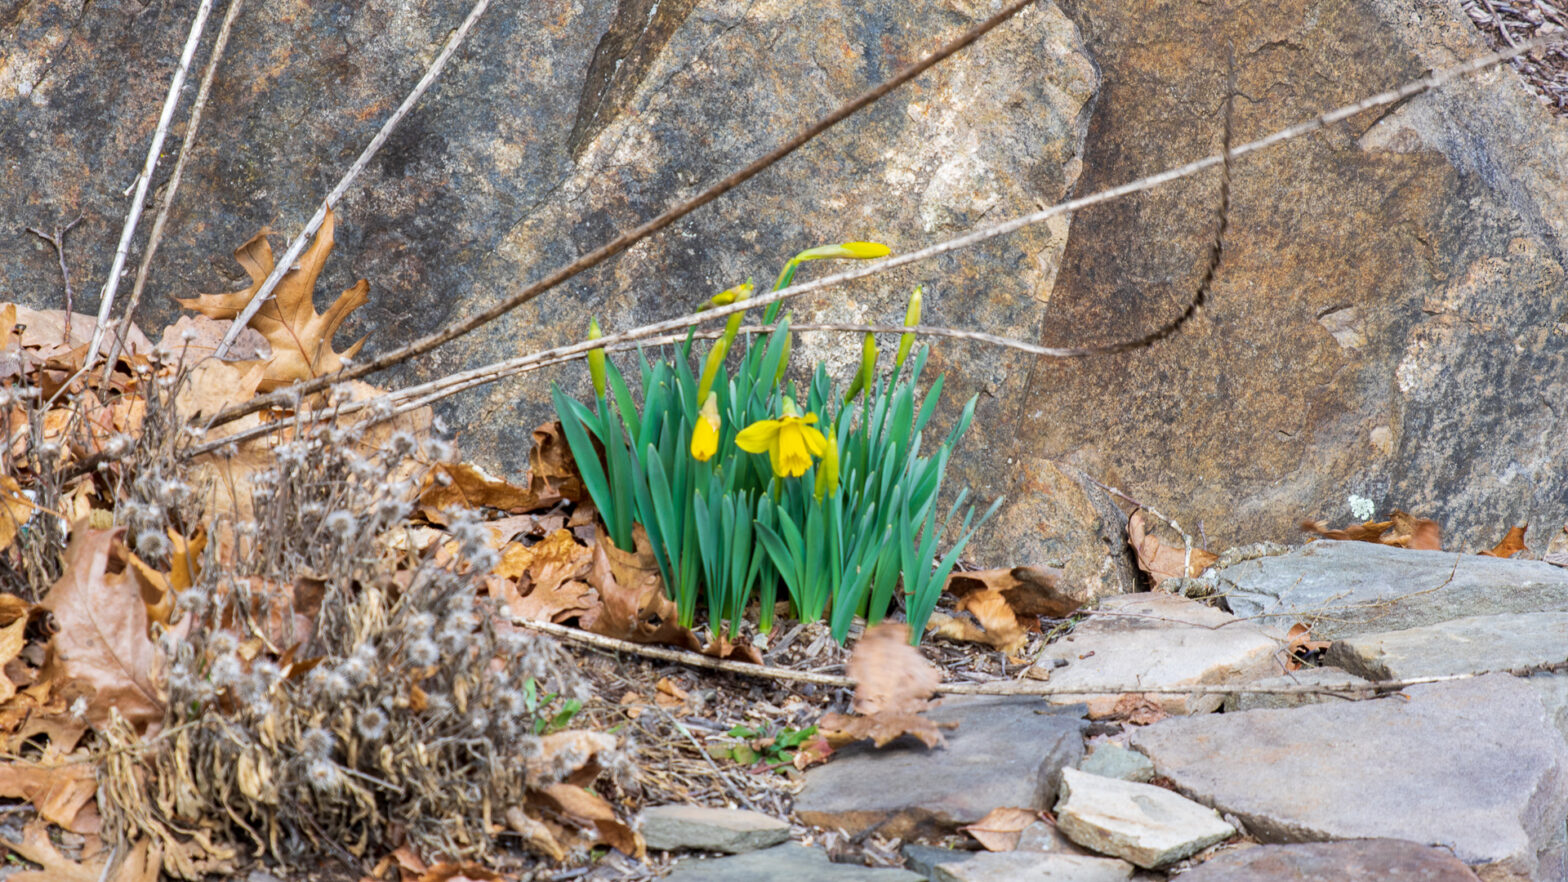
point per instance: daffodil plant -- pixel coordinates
(743, 482)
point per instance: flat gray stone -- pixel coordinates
(1042, 836)
(700, 828)
(1472, 645)
(1552, 689)
(1346, 588)
(1115, 761)
(1004, 752)
(1325, 677)
(1147, 825)
(783, 863)
(1019, 866)
(1353, 860)
(923, 859)
(1158, 640)
(1475, 766)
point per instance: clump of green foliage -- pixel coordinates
(744, 482)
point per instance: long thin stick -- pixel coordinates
(629, 238)
(128, 232)
(156, 237)
(286, 262)
(282, 397)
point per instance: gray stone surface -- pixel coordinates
(1325, 677)
(1112, 760)
(1147, 825)
(1473, 645)
(1159, 640)
(1044, 836)
(783, 863)
(1019, 866)
(1552, 690)
(1473, 765)
(1353, 860)
(700, 828)
(1005, 752)
(1347, 588)
(923, 859)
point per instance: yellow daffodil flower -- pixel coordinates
(790, 441)
(827, 472)
(705, 435)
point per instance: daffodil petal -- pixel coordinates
(759, 437)
(814, 440)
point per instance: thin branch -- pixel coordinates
(1415, 87)
(143, 182)
(627, 239)
(58, 241)
(153, 240)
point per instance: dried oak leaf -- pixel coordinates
(1030, 591)
(1140, 709)
(102, 638)
(994, 622)
(1162, 561)
(881, 728)
(462, 871)
(552, 586)
(1402, 530)
(141, 864)
(1511, 545)
(301, 338)
(721, 647)
(584, 807)
(15, 510)
(61, 792)
(1300, 644)
(889, 674)
(635, 607)
(465, 485)
(1002, 827)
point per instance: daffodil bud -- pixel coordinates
(850, 250)
(868, 367)
(710, 367)
(732, 327)
(911, 319)
(827, 470)
(789, 344)
(596, 359)
(705, 435)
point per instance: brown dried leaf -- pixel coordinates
(635, 607)
(1511, 545)
(882, 728)
(463, 871)
(669, 695)
(15, 510)
(1030, 591)
(720, 647)
(301, 339)
(1365, 532)
(60, 791)
(536, 834)
(552, 473)
(1159, 560)
(1002, 828)
(1138, 708)
(584, 807)
(552, 577)
(998, 626)
(102, 639)
(1402, 530)
(1300, 644)
(469, 486)
(36, 847)
(193, 338)
(889, 674)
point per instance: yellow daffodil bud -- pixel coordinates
(596, 358)
(850, 250)
(710, 367)
(827, 472)
(705, 435)
(868, 369)
(732, 327)
(723, 298)
(911, 319)
(789, 344)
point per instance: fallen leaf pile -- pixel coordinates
(1000, 608)
(1401, 530)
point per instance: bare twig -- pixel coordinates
(191, 126)
(629, 238)
(282, 397)
(143, 182)
(738, 793)
(1186, 538)
(58, 241)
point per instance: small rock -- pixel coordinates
(699, 828)
(1144, 824)
(1159, 640)
(1472, 645)
(1042, 836)
(783, 863)
(1330, 678)
(1346, 588)
(1353, 860)
(1115, 761)
(1004, 752)
(1019, 866)
(1473, 765)
(923, 858)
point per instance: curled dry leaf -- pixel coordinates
(635, 607)
(1301, 643)
(62, 792)
(102, 638)
(551, 587)
(1002, 828)
(720, 647)
(881, 728)
(15, 510)
(1402, 530)
(889, 674)
(993, 622)
(462, 871)
(36, 846)
(465, 485)
(1029, 591)
(1511, 545)
(1140, 709)
(552, 473)
(1161, 560)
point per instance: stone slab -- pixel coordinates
(1019, 866)
(1115, 761)
(1159, 640)
(1325, 677)
(1146, 825)
(1342, 589)
(700, 828)
(783, 863)
(1004, 752)
(1473, 765)
(1352, 860)
(923, 859)
(1472, 645)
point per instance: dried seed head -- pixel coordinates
(354, 670)
(423, 653)
(227, 671)
(372, 723)
(318, 742)
(223, 642)
(337, 686)
(152, 543)
(341, 524)
(401, 444)
(529, 747)
(421, 623)
(323, 776)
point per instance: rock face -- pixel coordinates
(699, 828)
(1474, 645)
(1474, 765)
(1347, 588)
(1159, 640)
(1141, 823)
(1354, 860)
(783, 863)
(1005, 752)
